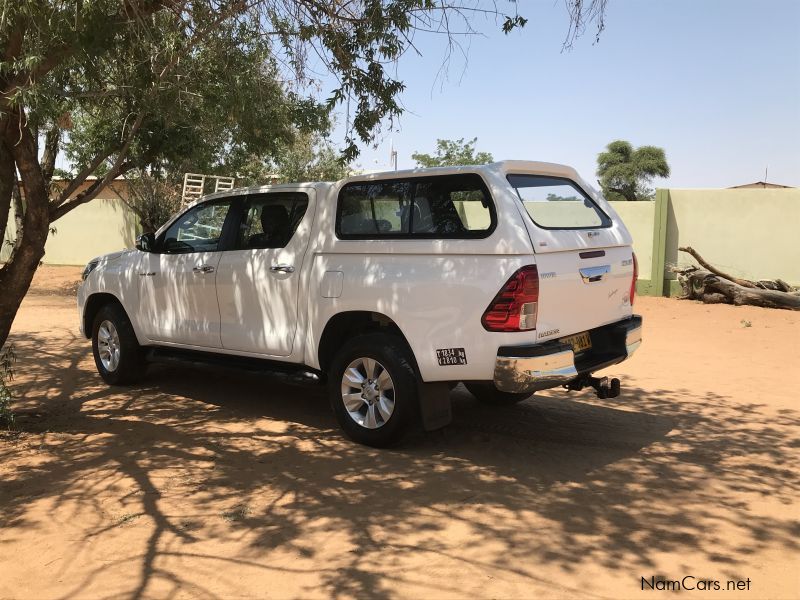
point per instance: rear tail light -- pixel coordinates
(515, 306)
(635, 277)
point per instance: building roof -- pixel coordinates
(759, 184)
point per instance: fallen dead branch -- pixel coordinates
(712, 286)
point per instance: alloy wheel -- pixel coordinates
(368, 393)
(108, 346)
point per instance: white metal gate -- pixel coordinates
(194, 184)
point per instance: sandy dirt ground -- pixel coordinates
(216, 484)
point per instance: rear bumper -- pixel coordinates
(535, 367)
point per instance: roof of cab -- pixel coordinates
(502, 167)
(260, 189)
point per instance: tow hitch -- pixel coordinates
(603, 386)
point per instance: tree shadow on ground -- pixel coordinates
(235, 473)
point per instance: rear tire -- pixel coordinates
(372, 387)
(488, 394)
(117, 354)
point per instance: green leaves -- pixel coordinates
(512, 23)
(309, 158)
(625, 172)
(208, 75)
(205, 101)
(453, 153)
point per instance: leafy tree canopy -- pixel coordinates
(154, 193)
(154, 196)
(453, 153)
(120, 85)
(558, 198)
(310, 158)
(625, 173)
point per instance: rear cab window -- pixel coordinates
(446, 206)
(270, 220)
(557, 203)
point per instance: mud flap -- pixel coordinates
(434, 403)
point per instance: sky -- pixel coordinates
(716, 83)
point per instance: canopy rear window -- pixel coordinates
(557, 203)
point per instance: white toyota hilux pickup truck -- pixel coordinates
(390, 288)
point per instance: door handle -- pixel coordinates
(592, 274)
(282, 268)
(203, 269)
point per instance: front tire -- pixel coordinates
(488, 394)
(373, 391)
(117, 354)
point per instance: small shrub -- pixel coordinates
(746, 323)
(237, 513)
(7, 360)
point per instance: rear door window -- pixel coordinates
(455, 206)
(557, 203)
(450, 206)
(270, 220)
(373, 209)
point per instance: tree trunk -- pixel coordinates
(712, 286)
(52, 139)
(700, 284)
(19, 219)
(16, 275)
(8, 176)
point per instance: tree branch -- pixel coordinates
(8, 179)
(52, 141)
(742, 282)
(19, 220)
(14, 44)
(119, 167)
(79, 179)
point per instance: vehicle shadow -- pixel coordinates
(213, 455)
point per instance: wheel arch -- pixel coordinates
(93, 305)
(346, 325)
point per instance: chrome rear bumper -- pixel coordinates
(535, 367)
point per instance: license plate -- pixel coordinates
(579, 341)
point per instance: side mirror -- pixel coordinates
(146, 242)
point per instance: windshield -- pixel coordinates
(557, 203)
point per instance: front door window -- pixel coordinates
(197, 230)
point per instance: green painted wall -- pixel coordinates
(638, 218)
(750, 233)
